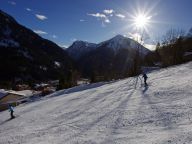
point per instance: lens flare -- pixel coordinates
(141, 20)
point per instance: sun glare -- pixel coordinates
(141, 21)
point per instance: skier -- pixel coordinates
(11, 111)
(145, 78)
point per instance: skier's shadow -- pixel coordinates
(136, 81)
(145, 89)
(8, 120)
(5, 121)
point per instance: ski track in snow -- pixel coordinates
(121, 112)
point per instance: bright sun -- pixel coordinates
(141, 21)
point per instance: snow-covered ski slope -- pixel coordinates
(121, 112)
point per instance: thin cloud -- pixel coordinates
(28, 9)
(101, 17)
(120, 16)
(41, 17)
(98, 15)
(82, 20)
(54, 36)
(107, 21)
(108, 11)
(73, 39)
(12, 2)
(40, 32)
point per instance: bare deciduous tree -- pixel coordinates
(171, 47)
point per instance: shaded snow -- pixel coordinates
(9, 43)
(26, 54)
(57, 64)
(122, 112)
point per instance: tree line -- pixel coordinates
(171, 50)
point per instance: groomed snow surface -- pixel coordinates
(121, 112)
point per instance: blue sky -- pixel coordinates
(64, 21)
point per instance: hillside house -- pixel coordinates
(13, 97)
(83, 81)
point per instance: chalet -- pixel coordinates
(13, 97)
(83, 81)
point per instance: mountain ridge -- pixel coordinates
(80, 48)
(27, 56)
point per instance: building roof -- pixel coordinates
(25, 93)
(3, 94)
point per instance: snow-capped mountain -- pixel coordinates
(80, 48)
(26, 55)
(121, 42)
(112, 58)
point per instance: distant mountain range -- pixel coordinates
(80, 48)
(26, 56)
(110, 59)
